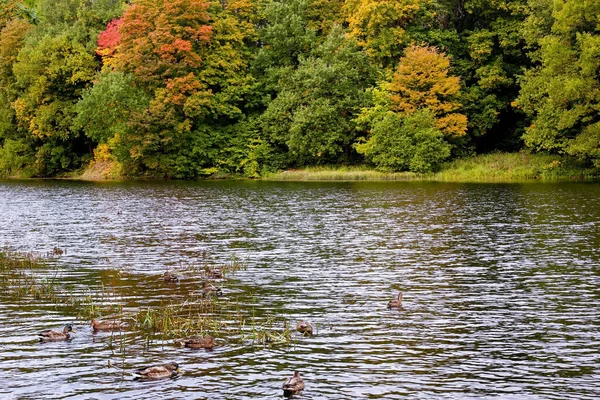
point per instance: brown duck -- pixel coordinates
(55, 336)
(197, 342)
(396, 303)
(208, 289)
(169, 276)
(108, 325)
(169, 370)
(305, 328)
(293, 385)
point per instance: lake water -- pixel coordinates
(501, 287)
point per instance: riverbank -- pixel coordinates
(497, 167)
(492, 168)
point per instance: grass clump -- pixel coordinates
(354, 173)
(514, 167)
(271, 331)
(495, 167)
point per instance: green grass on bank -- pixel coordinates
(340, 173)
(497, 167)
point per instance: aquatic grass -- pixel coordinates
(27, 277)
(271, 331)
(209, 269)
(509, 167)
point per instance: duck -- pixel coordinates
(197, 342)
(208, 289)
(293, 385)
(162, 371)
(55, 336)
(396, 303)
(169, 276)
(305, 328)
(108, 325)
(214, 273)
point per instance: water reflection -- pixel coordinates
(501, 284)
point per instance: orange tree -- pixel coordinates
(415, 114)
(189, 58)
(422, 80)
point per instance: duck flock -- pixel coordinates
(292, 385)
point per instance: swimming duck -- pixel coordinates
(305, 328)
(293, 385)
(396, 303)
(197, 342)
(169, 276)
(55, 336)
(108, 325)
(208, 289)
(169, 370)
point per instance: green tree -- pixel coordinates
(51, 74)
(12, 39)
(411, 143)
(16, 151)
(105, 108)
(562, 92)
(489, 57)
(313, 113)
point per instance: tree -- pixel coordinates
(314, 111)
(49, 65)
(191, 58)
(489, 56)
(421, 81)
(163, 39)
(12, 39)
(562, 92)
(410, 143)
(381, 26)
(106, 108)
(16, 151)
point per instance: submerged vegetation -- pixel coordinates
(184, 312)
(188, 89)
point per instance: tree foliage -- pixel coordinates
(422, 81)
(562, 93)
(381, 26)
(313, 113)
(410, 143)
(190, 88)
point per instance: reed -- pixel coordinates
(511, 167)
(495, 167)
(26, 277)
(272, 331)
(355, 173)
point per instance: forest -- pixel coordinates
(186, 89)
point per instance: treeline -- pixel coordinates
(190, 88)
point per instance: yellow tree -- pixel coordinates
(421, 81)
(379, 26)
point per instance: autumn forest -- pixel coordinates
(185, 89)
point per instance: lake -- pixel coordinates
(501, 287)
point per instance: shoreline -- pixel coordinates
(488, 168)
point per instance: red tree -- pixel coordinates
(109, 38)
(163, 39)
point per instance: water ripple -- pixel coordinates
(501, 283)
